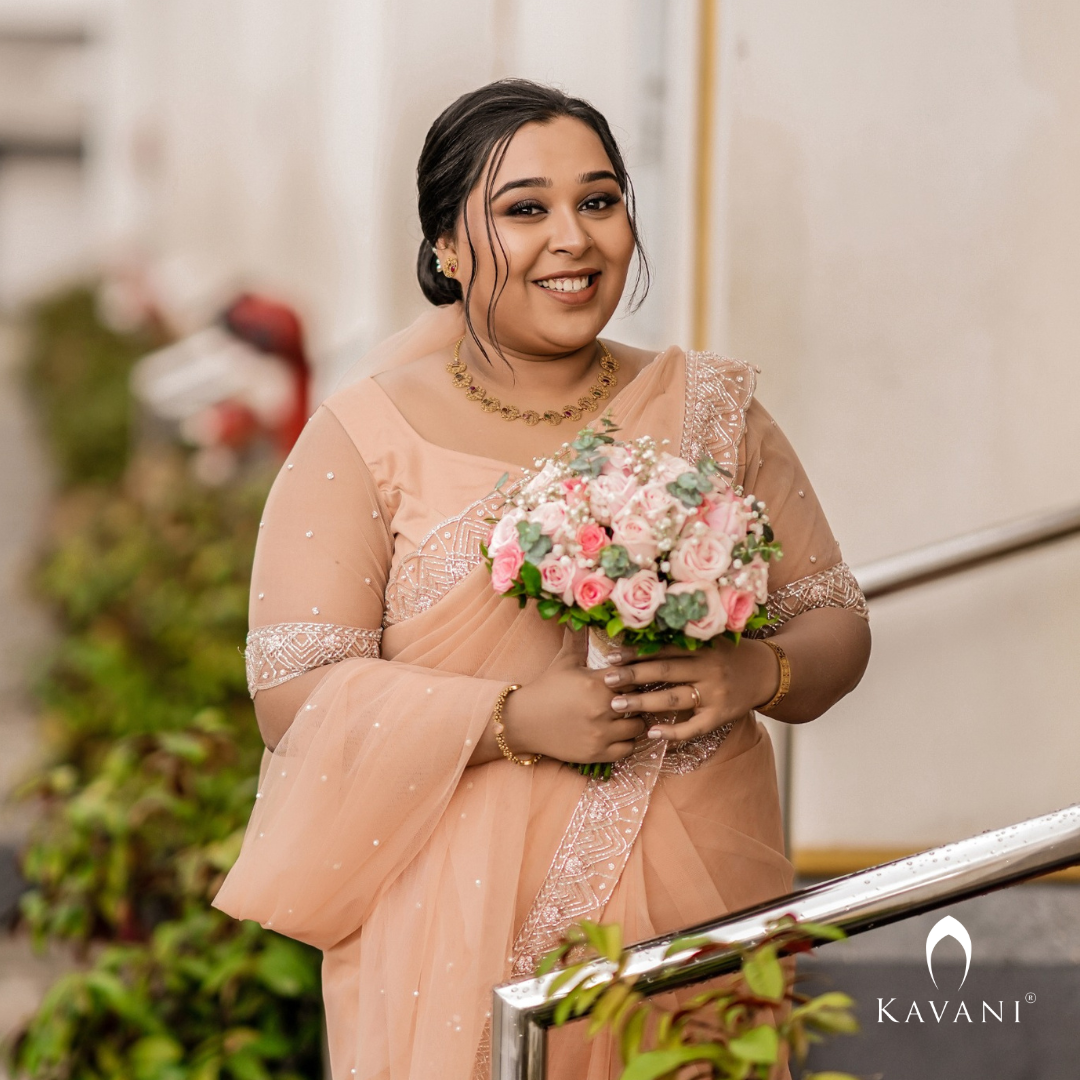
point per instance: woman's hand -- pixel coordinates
(716, 684)
(566, 714)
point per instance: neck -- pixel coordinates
(541, 374)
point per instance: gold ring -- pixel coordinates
(697, 696)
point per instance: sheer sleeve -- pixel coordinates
(373, 749)
(812, 573)
(321, 561)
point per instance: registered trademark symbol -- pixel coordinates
(1029, 997)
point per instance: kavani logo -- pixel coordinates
(943, 928)
(948, 927)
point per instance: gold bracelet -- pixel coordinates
(785, 675)
(500, 727)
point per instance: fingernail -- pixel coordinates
(655, 733)
(618, 703)
(612, 677)
(616, 657)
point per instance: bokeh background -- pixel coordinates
(874, 202)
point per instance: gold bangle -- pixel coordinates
(500, 727)
(785, 676)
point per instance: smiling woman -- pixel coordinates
(414, 819)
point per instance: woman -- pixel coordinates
(390, 831)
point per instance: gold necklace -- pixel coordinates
(606, 381)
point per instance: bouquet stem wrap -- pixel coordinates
(601, 647)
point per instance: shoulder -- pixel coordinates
(361, 409)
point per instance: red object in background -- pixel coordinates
(274, 328)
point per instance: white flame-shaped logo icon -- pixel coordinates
(943, 928)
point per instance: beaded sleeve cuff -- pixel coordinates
(275, 654)
(833, 587)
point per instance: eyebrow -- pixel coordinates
(544, 182)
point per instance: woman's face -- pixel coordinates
(558, 212)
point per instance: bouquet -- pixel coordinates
(631, 541)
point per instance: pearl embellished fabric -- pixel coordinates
(372, 838)
(276, 654)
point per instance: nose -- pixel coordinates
(568, 235)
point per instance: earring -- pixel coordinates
(450, 267)
(438, 262)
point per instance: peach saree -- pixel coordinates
(426, 881)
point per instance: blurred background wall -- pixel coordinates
(874, 202)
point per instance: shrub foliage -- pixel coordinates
(155, 753)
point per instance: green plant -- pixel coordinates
(155, 757)
(737, 1029)
(78, 374)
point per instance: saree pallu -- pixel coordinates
(426, 881)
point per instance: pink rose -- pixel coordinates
(505, 566)
(738, 605)
(505, 531)
(591, 538)
(636, 598)
(714, 621)
(700, 558)
(636, 535)
(618, 460)
(592, 589)
(670, 468)
(574, 490)
(653, 501)
(550, 516)
(557, 577)
(608, 494)
(728, 515)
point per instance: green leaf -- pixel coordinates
(568, 975)
(691, 941)
(763, 973)
(759, 1045)
(614, 627)
(632, 1034)
(151, 1054)
(530, 576)
(548, 609)
(658, 1063)
(611, 1001)
(284, 968)
(550, 960)
(814, 929)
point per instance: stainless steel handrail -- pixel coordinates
(973, 549)
(930, 563)
(870, 898)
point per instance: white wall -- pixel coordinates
(903, 257)
(275, 144)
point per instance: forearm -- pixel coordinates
(828, 649)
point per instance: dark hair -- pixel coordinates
(475, 129)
